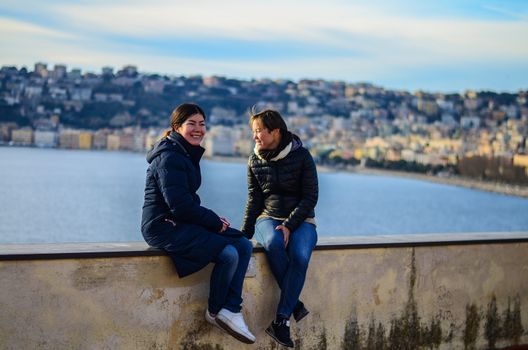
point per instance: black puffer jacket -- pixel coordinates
(286, 188)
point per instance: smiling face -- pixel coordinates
(265, 139)
(193, 129)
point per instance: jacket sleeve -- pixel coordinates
(172, 179)
(254, 204)
(309, 193)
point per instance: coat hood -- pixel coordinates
(161, 146)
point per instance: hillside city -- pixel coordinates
(479, 134)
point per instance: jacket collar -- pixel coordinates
(193, 152)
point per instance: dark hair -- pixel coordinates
(269, 118)
(181, 113)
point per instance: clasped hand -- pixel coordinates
(285, 233)
(225, 224)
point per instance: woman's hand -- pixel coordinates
(285, 233)
(225, 224)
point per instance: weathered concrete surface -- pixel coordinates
(451, 297)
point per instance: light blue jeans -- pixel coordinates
(288, 264)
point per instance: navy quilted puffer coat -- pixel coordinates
(173, 218)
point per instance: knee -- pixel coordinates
(228, 255)
(246, 246)
(275, 244)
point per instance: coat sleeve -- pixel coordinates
(254, 204)
(309, 192)
(174, 185)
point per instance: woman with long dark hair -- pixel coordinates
(193, 236)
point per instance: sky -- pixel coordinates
(435, 46)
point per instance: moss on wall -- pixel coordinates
(471, 330)
(408, 332)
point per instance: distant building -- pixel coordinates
(522, 161)
(69, 139)
(470, 122)
(5, 131)
(59, 71)
(244, 147)
(80, 93)
(100, 139)
(85, 140)
(126, 142)
(154, 86)
(75, 74)
(113, 142)
(211, 81)
(151, 138)
(33, 91)
(220, 141)
(22, 137)
(41, 69)
(107, 71)
(46, 138)
(129, 70)
(139, 141)
(58, 93)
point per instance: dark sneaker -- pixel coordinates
(300, 311)
(280, 331)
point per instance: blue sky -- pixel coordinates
(444, 46)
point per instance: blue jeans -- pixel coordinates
(228, 275)
(288, 264)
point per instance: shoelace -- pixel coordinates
(284, 321)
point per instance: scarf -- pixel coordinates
(286, 139)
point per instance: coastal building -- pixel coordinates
(220, 141)
(112, 142)
(127, 142)
(6, 130)
(151, 138)
(69, 139)
(22, 137)
(522, 161)
(244, 146)
(100, 139)
(85, 140)
(46, 138)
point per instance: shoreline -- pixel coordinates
(495, 187)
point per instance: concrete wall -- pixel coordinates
(361, 296)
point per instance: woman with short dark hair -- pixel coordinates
(193, 236)
(282, 194)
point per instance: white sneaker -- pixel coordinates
(233, 323)
(209, 318)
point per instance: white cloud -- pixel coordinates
(11, 27)
(369, 43)
(310, 22)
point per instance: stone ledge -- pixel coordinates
(129, 249)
